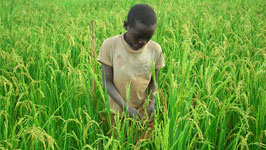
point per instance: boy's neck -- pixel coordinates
(125, 37)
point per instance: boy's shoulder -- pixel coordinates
(155, 46)
(112, 40)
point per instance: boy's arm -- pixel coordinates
(151, 89)
(107, 79)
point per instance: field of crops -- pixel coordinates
(211, 95)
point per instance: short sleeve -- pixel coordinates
(160, 60)
(105, 55)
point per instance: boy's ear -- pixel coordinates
(126, 25)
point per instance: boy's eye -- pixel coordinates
(137, 36)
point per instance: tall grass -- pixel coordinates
(212, 92)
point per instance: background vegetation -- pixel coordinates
(212, 92)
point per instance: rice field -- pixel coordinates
(211, 94)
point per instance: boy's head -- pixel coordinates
(140, 24)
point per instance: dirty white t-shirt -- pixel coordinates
(130, 68)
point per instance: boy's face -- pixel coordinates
(139, 35)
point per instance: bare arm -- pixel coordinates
(151, 91)
(107, 79)
(151, 87)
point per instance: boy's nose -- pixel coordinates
(142, 42)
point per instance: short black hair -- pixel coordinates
(143, 13)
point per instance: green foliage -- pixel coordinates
(211, 93)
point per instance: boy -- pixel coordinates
(127, 60)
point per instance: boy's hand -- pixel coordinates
(150, 110)
(134, 113)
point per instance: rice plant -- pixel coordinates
(211, 94)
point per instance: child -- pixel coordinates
(127, 60)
